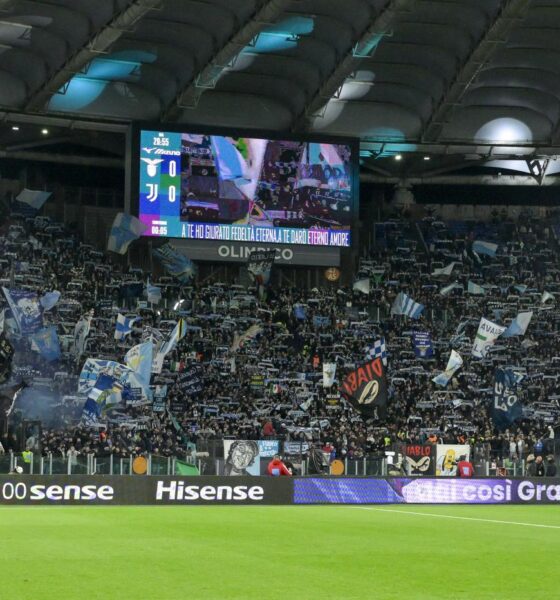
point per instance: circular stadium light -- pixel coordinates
(398, 156)
(15, 128)
(427, 158)
(504, 130)
(45, 131)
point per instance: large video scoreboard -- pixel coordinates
(259, 190)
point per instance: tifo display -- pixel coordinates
(217, 187)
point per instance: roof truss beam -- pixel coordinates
(349, 63)
(511, 13)
(99, 43)
(206, 78)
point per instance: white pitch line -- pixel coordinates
(423, 514)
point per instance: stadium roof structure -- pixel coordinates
(446, 80)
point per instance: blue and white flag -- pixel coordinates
(139, 358)
(487, 248)
(519, 325)
(153, 293)
(377, 349)
(26, 310)
(93, 367)
(106, 392)
(521, 288)
(46, 343)
(321, 321)
(454, 363)
(124, 326)
(166, 347)
(175, 263)
(33, 198)
(506, 408)
(329, 374)
(546, 296)
(405, 305)
(49, 299)
(300, 312)
(124, 231)
(91, 413)
(423, 347)
(475, 289)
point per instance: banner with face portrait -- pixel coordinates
(420, 459)
(26, 310)
(243, 457)
(448, 455)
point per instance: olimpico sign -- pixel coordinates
(216, 251)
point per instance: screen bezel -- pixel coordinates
(132, 186)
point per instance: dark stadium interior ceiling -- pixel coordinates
(429, 86)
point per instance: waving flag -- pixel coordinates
(175, 263)
(139, 358)
(49, 299)
(405, 305)
(46, 343)
(239, 340)
(81, 331)
(445, 291)
(300, 312)
(487, 248)
(378, 350)
(521, 288)
(260, 264)
(454, 363)
(33, 198)
(153, 293)
(362, 285)
(366, 388)
(329, 374)
(124, 326)
(229, 161)
(444, 270)
(177, 334)
(26, 310)
(486, 335)
(475, 289)
(124, 231)
(91, 413)
(507, 407)
(546, 296)
(519, 325)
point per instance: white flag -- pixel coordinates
(329, 373)
(486, 335)
(444, 270)
(362, 285)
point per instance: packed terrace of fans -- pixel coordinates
(270, 385)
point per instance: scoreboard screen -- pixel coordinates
(244, 189)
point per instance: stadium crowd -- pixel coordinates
(261, 356)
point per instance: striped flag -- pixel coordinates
(405, 305)
(487, 248)
(378, 349)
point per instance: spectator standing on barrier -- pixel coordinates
(465, 467)
(277, 468)
(550, 466)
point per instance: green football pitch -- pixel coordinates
(307, 553)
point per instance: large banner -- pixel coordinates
(260, 264)
(420, 459)
(145, 490)
(366, 388)
(243, 457)
(448, 455)
(423, 490)
(113, 490)
(506, 408)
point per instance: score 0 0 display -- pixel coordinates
(215, 187)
